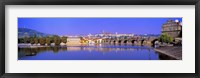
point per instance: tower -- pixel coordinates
(172, 28)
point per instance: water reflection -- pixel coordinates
(97, 52)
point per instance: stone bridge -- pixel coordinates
(135, 41)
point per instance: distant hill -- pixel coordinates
(25, 32)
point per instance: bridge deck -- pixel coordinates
(173, 51)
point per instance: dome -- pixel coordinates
(176, 20)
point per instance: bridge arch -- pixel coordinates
(153, 41)
(125, 41)
(114, 41)
(119, 41)
(142, 41)
(133, 41)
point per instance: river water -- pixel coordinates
(91, 52)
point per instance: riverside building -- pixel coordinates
(173, 28)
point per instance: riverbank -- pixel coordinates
(38, 46)
(78, 45)
(172, 51)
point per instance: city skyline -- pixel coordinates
(84, 26)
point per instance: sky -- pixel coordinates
(85, 26)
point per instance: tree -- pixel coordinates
(64, 39)
(166, 38)
(170, 39)
(21, 40)
(57, 40)
(51, 39)
(25, 39)
(48, 41)
(32, 40)
(36, 41)
(42, 41)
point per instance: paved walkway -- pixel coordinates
(172, 51)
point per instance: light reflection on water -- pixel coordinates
(94, 52)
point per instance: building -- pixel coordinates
(172, 28)
(73, 40)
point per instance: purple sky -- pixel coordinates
(84, 26)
